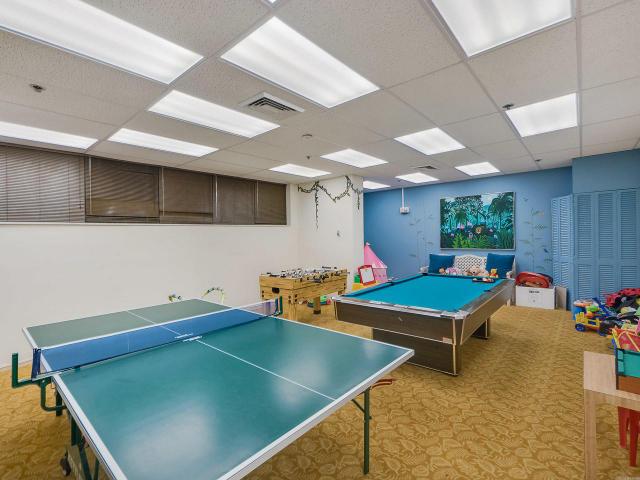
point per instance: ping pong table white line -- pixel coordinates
(163, 325)
(90, 434)
(239, 471)
(267, 452)
(283, 441)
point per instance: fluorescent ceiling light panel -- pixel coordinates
(77, 27)
(417, 178)
(547, 116)
(482, 168)
(156, 142)
(278, 53)
(34, 134)
(195, 110)
(479, 25)
(299, 170)
(369, 185)
(430, 142)
(354, 158)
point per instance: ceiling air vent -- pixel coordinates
(427, 167)
(272, 105)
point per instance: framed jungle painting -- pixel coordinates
(478, 222)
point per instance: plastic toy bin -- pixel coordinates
(627, 370)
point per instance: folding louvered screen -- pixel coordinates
(607, 242)
(562, 240)
(40, 186)
(584, 246)
(629, 243)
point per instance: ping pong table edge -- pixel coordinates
(250, 464)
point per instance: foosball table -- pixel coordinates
(301, 285)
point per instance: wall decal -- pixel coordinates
(317, 187)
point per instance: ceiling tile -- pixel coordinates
(397, 153)
(213, 166)
(390, 170)
(240, 159)
(10, 112)
(49, 66)
(16, 89)
(611, 101)
(559, 158)
(516, 165)
(612, 131)
(457, 157)
(535, 68)
(553, 141)
(270, 176)
(264, 150)
(290, 140)
(331, 128)
(382, 113)
(481, 131)
(610, 45)
(591, 6)
(609, 147)
(131, 153)
(203, 27)
(168, 127)
(367, 39)
(502, 150)
(447, 96)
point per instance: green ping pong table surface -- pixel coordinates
(217, 407)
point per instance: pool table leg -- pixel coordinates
(483, 330)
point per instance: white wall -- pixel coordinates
(339, 237)
(53, 272)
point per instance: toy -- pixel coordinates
(379, 267)
(493, 273)
(477, 271)
(536, 280)
(441, 271)
(592, 315)
(453, 271)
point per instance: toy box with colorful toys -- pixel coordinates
(617, 319)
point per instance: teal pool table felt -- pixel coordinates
(438, 292)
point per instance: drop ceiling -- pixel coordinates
(403, 47)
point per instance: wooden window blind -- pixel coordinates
(271, 203)
(121, 191)
(235, 200)
(187, 197)
(40, 186)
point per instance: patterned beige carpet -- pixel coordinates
(514, 413)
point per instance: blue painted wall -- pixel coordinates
(404, 242)
(609, 171)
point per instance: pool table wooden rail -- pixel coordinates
(435, 335)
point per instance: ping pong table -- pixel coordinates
(198, 390)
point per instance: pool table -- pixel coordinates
(432, 314)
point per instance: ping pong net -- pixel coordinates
(65, 356)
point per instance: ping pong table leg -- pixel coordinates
(58, 404)
(367, 417)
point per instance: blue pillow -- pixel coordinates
(503, 263)
(436, 262)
